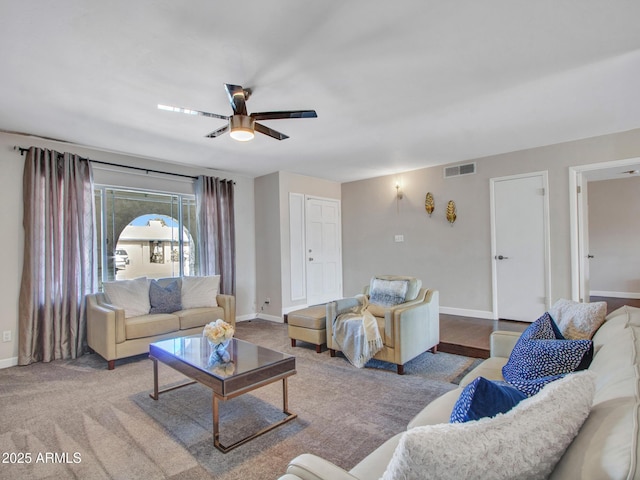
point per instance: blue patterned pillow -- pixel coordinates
(485, 398)
(165, 299)
(531, 387)
(542, 355)
(388, 292)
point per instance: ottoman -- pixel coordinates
(308, 325)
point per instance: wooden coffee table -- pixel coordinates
(250, 367)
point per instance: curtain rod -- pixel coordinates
(147, 170)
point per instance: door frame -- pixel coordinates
(547, 236)
(579, 234)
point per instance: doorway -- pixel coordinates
(520, 244)
(578, 179)
(315, 241)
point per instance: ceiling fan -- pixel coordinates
(242, 125)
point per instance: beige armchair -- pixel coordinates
(407, 329)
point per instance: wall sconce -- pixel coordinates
(399, 194)
(429, 204)
(451, 212)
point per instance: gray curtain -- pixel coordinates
(216, 230)
(58, 270)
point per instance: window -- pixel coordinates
(144, 233)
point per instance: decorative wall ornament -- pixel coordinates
(429, 204)
(451, 212)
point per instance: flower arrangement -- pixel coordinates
(218, 332)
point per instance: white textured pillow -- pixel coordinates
(524, 443)
(130, 295)
(578, 321)
(200, 291)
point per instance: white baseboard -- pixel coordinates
(244, 318)
(464, 312)
(603, 293)
(271, 318)
(8, 362)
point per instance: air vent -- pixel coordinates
(457, 170)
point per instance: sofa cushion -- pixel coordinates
(200, 291)
(607, 446)
(165, 299)
(149, 325)
(130, 295)
(541, 355)
(388, 292)
(485, 398)
(525, 442)
(578, 321)
(199, 317)
(616, 365)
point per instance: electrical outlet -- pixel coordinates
(6, 336)
(267, 301)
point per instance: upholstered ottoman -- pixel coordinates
(308, 325)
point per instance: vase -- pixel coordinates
(219, 351)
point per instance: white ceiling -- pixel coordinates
(397, 85)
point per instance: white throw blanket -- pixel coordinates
(357, 334)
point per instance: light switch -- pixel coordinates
(399, 238)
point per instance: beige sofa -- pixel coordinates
(112, 336)
(408, 329)
(606, 446)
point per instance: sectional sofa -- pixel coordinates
(606, 445)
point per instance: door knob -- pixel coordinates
(589, 256)
(500, 257)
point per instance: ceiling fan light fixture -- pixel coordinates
(241, 128)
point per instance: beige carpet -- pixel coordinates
(117, 431)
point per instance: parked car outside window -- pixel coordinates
(121, 259)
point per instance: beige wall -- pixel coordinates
(268, 250)
(273, 259)
(614, 236)
(457, 259)
(11, 165)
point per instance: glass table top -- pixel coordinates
(244, 356)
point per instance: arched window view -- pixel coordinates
(145, 234)
(150, 246)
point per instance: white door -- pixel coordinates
(323, 245)
(520, 246)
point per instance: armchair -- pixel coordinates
(408, 329)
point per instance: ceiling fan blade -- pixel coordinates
(285, 114)
(269, 131)
(237, 98)
(188, 111)
(217, 133)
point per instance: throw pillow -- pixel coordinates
(388, 292)
(485, 398)
(130, 295)
(578, 321)
(200, 291)
(541, 354)
(525, 442)
(165, 299)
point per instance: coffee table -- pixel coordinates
(250, 367)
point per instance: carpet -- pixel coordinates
(76, 419)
